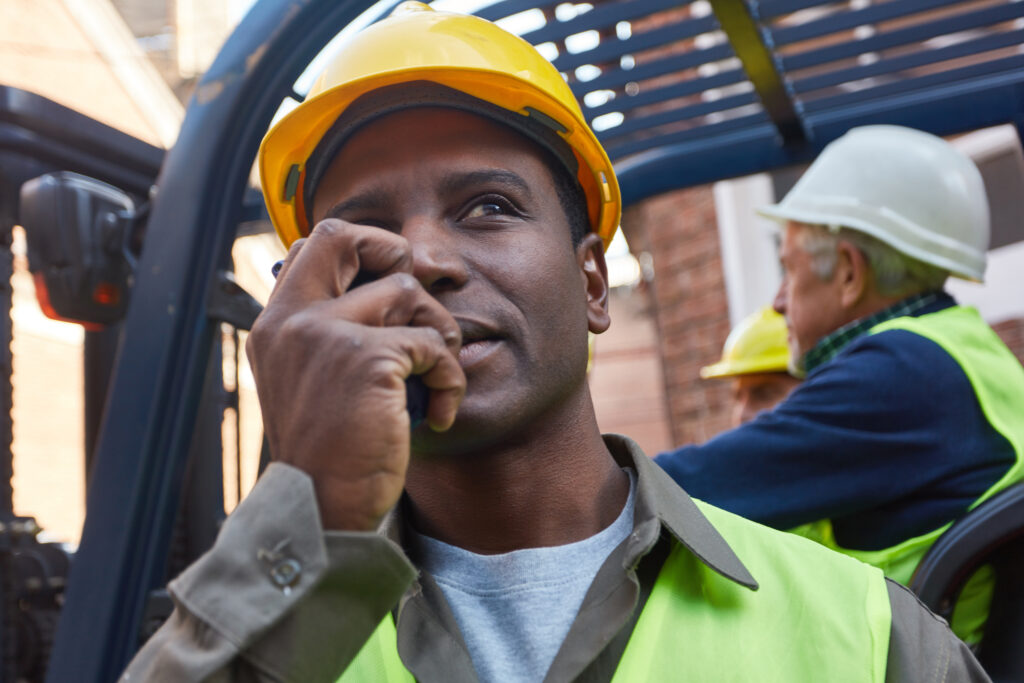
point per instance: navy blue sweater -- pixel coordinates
(887, 440)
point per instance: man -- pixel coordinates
(912, 411)
(756, 358)
(460, 207)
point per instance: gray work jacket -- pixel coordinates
(280, 599)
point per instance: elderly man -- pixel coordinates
(912, 411)
(460, 206)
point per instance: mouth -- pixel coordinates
(479, 340)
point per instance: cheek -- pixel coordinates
(762, 403)
(802, 303)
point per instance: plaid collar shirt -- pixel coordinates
(830, 345)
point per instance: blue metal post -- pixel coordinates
(139, 460)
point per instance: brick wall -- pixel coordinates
(679, 231)
(1012, 332)
(626, 378)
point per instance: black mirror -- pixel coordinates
(81, 252)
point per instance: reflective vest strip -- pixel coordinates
(998, 382)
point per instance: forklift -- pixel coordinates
(134, 242)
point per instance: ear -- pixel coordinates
(594, 270)
(853, 275)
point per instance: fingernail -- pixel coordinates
(276, 268)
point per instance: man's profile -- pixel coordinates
(912, 410)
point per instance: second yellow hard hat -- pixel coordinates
(756, 344)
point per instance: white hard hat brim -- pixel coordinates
(888, 227)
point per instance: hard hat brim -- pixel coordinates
(886, 227)
(288, 145)
(725, 368)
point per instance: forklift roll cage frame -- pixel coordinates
(680, 93)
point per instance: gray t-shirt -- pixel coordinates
(515, 609)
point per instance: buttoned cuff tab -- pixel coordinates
(269, 554)
(316, 641)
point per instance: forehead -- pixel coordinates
(437, 151)
(792, 237)
(437, 133)
(420, 147)
(756, 379)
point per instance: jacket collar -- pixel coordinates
(831, 344)
(660, 503)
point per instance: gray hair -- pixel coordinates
(894, 273)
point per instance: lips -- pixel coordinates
(479, 340)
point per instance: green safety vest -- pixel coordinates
(998, 382)
(817, 616)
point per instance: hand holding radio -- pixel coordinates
(346, 326)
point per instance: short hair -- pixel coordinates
(893, 272)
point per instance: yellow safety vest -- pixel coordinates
(998, 382)
(817, 616)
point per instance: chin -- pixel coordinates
(486, 422)
(795, 351)
(471, 433)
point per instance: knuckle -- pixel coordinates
(292, 329)
(433, 338)
(404, 282)
(400, 252)
(327, 227)
(255, 339)
(251, 347)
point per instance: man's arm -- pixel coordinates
(892, 416)
(276, 599)
(922, 649)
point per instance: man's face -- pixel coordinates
(755, 393)
(491, 243)
(811, 305)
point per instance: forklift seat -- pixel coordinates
(993, 534)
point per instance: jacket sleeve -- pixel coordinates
(890, 417)
(276, 598)
(922, 649)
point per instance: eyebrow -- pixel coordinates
(454, 182)
(367, 201)
(376, 199)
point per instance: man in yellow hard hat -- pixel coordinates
(756, 358)
(912, 410)
(447, 207)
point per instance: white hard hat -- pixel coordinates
(909, 189)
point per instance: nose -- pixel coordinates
(779, 302)
(437, 261)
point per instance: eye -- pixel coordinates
(490, 205)
(484, 209)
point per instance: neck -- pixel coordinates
(872, 302)
(558, 486)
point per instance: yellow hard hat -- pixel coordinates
(468, 54)
(757, 344)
